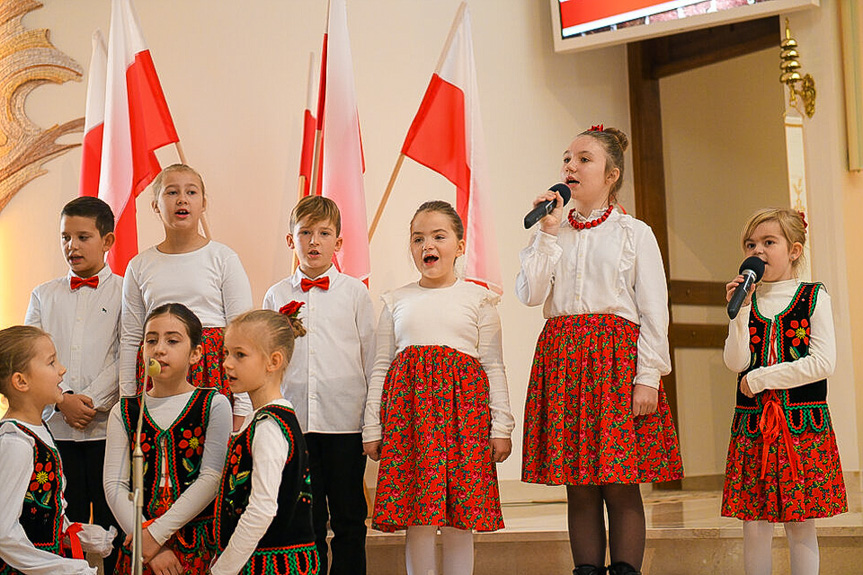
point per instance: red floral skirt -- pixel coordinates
(208, 372)
(195, 555)
(817, 491)
(436, 466)
(578, 423)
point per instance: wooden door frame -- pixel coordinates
(649, 61)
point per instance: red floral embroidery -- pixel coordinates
(799, 331)
(753, 339)
(193, 441)
(42, 475)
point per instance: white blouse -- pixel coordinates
(614, 268)
(270, 451)
(773, 298)
(210, 281)
(16, 469)
(117, 477)
(462, 316)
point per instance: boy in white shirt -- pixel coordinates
(81, 312)
(327, 379)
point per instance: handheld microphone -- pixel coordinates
(751, 269)
(543, 209)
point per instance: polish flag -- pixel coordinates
(137, 122)
(307, 152)
(341, 163)
(446, 136)
(94, 119)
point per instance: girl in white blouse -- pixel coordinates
(188, 268)
(783, 463)
(35, 535)
(437, 414)
(184, 438)
(596, 417)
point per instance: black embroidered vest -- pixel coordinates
(184, 448)
(292, 524)
(41, 515)
(805, 407)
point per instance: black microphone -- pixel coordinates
(751, 269)
(543, 209)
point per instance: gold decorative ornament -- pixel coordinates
(791, 77)
(28, 60)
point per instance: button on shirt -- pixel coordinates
(328, 376)
(85, 327)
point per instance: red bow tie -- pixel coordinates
(77, 282)
(321, 282)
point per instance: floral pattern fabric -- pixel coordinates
(436, 466)
(579, 428)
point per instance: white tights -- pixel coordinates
(802, 544)
(420, 553)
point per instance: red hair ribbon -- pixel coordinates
(597, 128)
(803, 217)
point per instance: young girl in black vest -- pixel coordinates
(264, 507)
(183, 438)
(35, 535)
(783, 464)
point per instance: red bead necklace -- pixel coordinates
(592, 223)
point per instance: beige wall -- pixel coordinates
(235, 79)
(724, 150)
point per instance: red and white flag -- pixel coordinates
(137, 122)
(341, 163)
(446, 136)
(94, 119)
(307, 152)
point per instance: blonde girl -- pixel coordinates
(186, 267)
(264, 507)
(783, 464)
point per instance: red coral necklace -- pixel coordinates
(592, 223)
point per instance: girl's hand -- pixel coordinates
(644, 399)
(373, 449)
(550, 224)
(166, 563)
(732, 285)
(500, 449)
(150, 547)
(744, 387)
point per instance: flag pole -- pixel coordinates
(386, 196)
(205, 225)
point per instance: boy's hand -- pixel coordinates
(166, 563)
(373, 449)
(644, 399)
(77, 410)
(744, 387)
(500, 449)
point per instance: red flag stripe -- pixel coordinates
(576, 12)
(308, 150)
(91, 162)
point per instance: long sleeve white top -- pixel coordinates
(270, 451)
(773, 298)
(462, 316)
(614, 268)
(16, 469)
(328, 376)
(210, 281)
(85, 327)
(117, 477)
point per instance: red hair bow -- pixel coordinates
(803, 217)
(597, 128)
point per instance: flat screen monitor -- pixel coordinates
(583, 24)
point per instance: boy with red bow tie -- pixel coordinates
(327, 378)
(81, 312)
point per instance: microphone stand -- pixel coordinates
(137, 495)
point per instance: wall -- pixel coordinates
(235, 78)
(724, 150)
